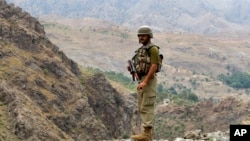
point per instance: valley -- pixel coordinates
(65, 78)
(191, 61)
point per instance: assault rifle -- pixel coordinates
(133, 70)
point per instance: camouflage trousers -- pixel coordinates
(146, 102)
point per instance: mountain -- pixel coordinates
(190, 61)
(203, 16)
(45, 96)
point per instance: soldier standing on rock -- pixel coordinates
(146, 63)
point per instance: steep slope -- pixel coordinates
(207, 116)
(43, 94)
(191, 61)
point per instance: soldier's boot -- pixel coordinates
(145, 136)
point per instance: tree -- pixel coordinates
(236, 80)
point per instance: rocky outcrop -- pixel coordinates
(196, 135)
(44, 95)
(198, 122)
(27, 122)
(27, 33)
(110, 106)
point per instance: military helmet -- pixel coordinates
(145, 30)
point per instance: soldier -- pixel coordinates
(146, 62)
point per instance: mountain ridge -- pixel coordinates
(43, 93)
(45, 96)
(169, 15)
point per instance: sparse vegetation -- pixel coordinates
(186, 96)
(164, 129)
(59, 103)
(115, 76)
(46, 71)
(238, 80)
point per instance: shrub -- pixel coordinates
(236, 80)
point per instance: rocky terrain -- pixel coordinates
(197, 122)
(45, 95)
(191, 61)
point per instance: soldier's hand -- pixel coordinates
(141, 85)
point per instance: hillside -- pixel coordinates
(46, 92)
(191, 61)
(203, 16)
(43, 93)
(207, 116)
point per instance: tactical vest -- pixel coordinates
(142, 61)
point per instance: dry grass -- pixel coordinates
(189, 58)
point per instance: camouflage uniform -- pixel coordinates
(147, 95)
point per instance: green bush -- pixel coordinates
(116, 76)
(163, 92)
(188, 95)
(181, 98)
(236, 80)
